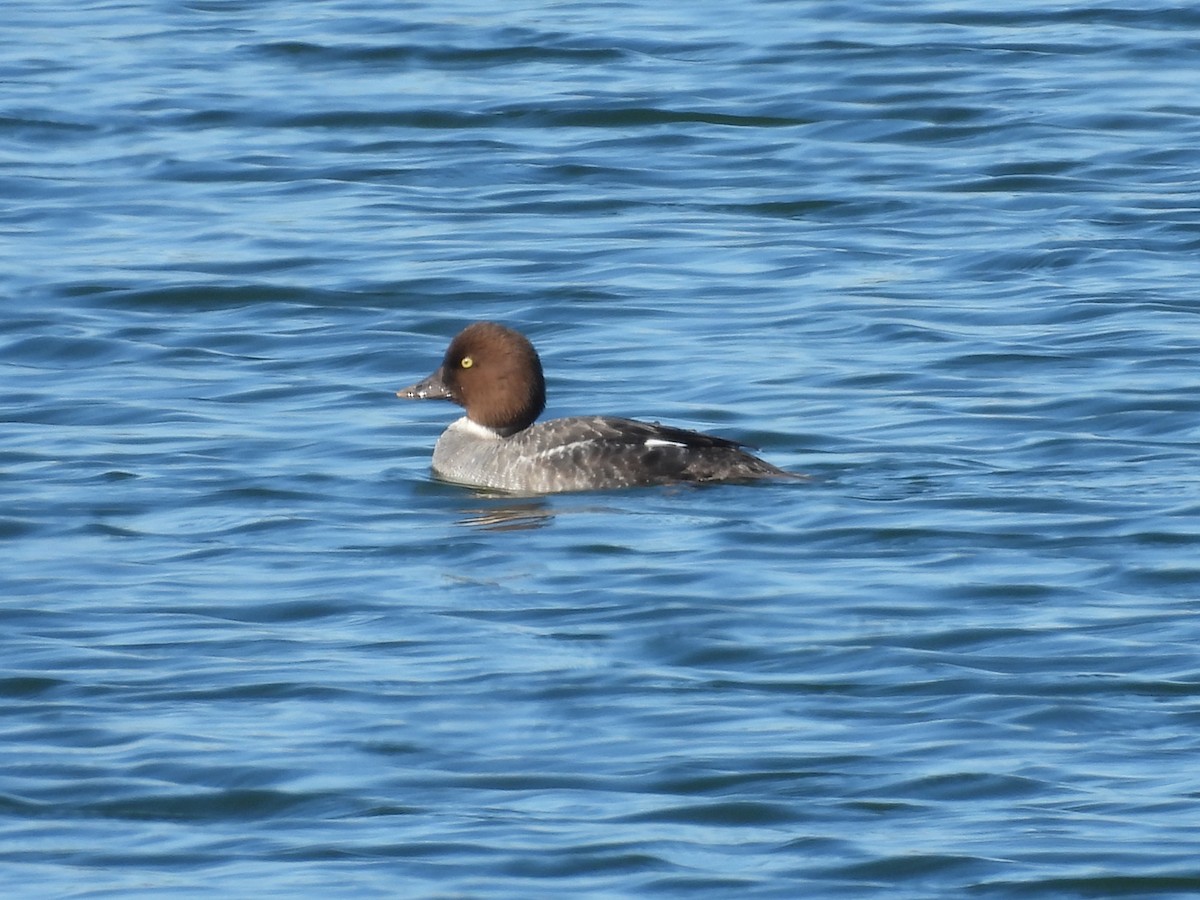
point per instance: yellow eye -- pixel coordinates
(467, 362)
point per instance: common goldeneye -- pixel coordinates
(495, 373)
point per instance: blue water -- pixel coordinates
(945, 259)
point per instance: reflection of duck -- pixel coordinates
(508, 516)
(495, 373)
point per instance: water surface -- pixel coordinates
(943, 259)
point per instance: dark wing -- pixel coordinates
(626, 451)
(632, 431)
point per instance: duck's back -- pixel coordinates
(590, 453)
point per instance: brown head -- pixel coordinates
(494, 373)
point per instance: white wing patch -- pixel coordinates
(598, 444)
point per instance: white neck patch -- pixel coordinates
(473, 428)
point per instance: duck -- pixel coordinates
(495, 374)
